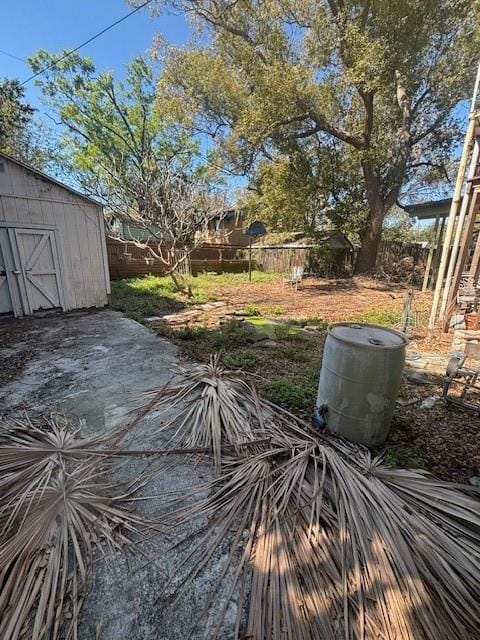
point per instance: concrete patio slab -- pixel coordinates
(91, 366)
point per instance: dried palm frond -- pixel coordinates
(212, 408)
(325, 543)
(56, 509)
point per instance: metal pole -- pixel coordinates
(455, 203)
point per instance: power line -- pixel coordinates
(14, 57)
(97, 35)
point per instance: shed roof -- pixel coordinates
(44, 176)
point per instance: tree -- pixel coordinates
(122, 152)
(400, 227)
(382, 78)
(15, 113)
(309, 187)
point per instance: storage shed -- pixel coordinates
(52, 244)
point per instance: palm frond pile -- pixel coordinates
(212, 409)
(56, 509)
(324, 541)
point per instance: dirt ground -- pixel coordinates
(332, 299)
(360, 298)
(443, 439)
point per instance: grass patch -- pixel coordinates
(295, 392)
(384, 318)
(208, 281)
(287, 365)
(139, 298)
(276, 310)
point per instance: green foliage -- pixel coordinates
(282, 82)
(276, 310)
(291, 393)
(234, 334)
(381, 317)
(404, 458)
(252, 309)
(283, 331)
(242, 359)
(15, 112)
(400, 227)
(192, 333)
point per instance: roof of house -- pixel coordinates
(44, 176)
(335, 238)
(429, 209)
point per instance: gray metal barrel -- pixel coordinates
(361, 373)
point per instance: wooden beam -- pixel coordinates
(433, 248)
(462, 256)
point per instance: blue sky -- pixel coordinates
(28, 25)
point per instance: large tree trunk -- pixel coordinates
(370, 240)
(372, 234)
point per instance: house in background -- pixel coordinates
(52, 244)
(228, 228)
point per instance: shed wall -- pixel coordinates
(28, 199)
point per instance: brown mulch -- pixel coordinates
(333, 300)
(444, 439)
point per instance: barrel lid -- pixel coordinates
(368, 335)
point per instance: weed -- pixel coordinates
(192, 333)
(290, 393)
(252, 309)
(233, 334)
(242, 359)
(283, 331)
(277, 310)
(386, 318)
(404, 458)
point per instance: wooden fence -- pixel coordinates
(390, 252)
(127, 260)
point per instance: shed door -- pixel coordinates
(5, 298)
(38, 268)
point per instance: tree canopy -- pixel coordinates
(120, 149)
(382, 79)
(15, 112)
